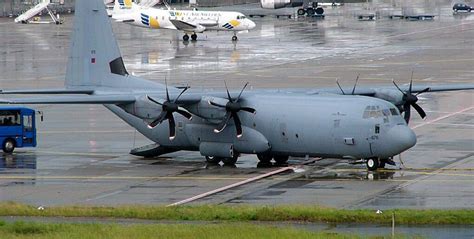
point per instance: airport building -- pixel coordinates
(16, 7)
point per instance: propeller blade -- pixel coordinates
(406, 109)
(238, 124)
(420, 110)
(423, 91)
(153, 100)
(215, 104)
(228, 94)
(337, 82)
(355, 85)
(184, 90)
(172, 126)
(223, 123)
(167, 93)
(238, 98)
(184, 113)
(411, 82)
(158, 120)
(248, 109)
(398, 87)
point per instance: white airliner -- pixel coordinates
(190, 22)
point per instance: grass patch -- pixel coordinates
(181, 231)
(248, 213)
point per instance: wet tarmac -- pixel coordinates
(82, 156)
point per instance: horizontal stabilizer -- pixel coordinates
(46, 91)
(93, 99)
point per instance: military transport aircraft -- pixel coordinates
(273, 124)
(190, 22)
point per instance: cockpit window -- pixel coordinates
(373, 111)
(240, 17)
(394, 111)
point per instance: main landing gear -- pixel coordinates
(193, 37)
(266, 158)
(226, 161)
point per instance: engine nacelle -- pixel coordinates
(276, 4)
(143, 108)
(393, 96)
(205, 110)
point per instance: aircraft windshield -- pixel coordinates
(240, 17)
(377, 112)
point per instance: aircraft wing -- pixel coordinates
(207, 23)
(371, 91)
(46, 92)
(187, 26)
(93, 99)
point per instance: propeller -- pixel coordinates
(409, 100)
(353, 89)
(232, 108)
(168, 108)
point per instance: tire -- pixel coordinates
(234, 38)
(9, 146)
(310, 11)
(229, 161)
(213, 160)
(194, 37)
(281, 159)
(301, 12)
(372, 164)
(185, 38)
(319, 11)
(264, 158)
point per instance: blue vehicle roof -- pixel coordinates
(8, 107)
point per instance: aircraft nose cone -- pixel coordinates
(251, 24)
(402, 137)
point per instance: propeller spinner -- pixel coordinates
(168, 108)
(232, 108)
(410, 100)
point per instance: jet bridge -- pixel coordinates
(40, 7)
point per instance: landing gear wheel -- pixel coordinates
(231, 161)
(234, 38)
(281, 159)
(372, 164)
(310, 12)
(319, 11)
(264, 158)
(213, 160)
(8, 146)
(194, 37)
(186, 37)
(301, 12)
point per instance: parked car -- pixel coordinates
(462, 7)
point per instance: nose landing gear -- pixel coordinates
(376, 163)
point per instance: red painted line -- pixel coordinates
(443, 117)
(281, 170)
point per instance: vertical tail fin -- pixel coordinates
(123, 6)
(94, 57)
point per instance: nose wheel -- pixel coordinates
(373, 164)
(234, 38)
